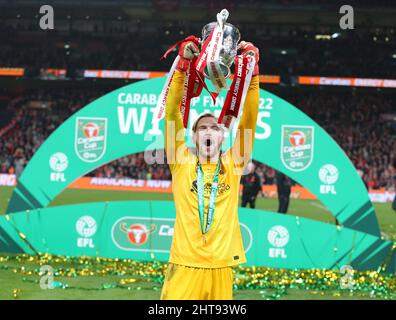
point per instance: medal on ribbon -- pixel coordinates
(212, 198)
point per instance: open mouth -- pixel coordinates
(208, 142)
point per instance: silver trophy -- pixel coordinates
(229, 44)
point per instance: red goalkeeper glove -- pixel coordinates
(187, 51)
(249, 48)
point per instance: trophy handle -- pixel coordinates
(222, 16)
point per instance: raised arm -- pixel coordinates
(243, 146)
(174, 130)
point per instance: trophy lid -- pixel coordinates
(229, 31)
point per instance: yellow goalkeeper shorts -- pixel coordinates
(190, 283)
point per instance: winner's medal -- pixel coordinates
(212, 198)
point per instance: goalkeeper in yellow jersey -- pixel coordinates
(207, 239)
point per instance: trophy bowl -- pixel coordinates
(229, 46)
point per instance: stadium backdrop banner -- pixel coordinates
(142, 230)
(119, 124)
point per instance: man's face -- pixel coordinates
(208, 137)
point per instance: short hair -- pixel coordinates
(201, 116)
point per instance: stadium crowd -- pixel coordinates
(139, 45)
(37, 114)
(353, 120)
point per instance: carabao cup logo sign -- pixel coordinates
(90, 139)
(143, 234)
(297, 147)
(154, 234)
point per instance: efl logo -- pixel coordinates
(329, 175)
(58, 163)
(86, 228)
(278, 237)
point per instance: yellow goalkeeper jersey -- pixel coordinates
(222, 245)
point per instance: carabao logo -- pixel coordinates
(90, 139)
(143, 234)
(297, 146)
(297, 138)
(137, 233)
(91, 130)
